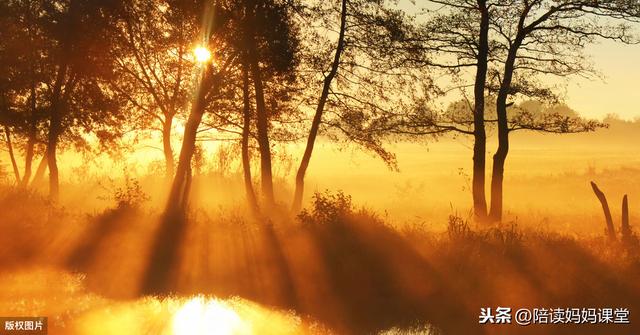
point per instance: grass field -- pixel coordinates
(335, 268)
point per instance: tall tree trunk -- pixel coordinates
(500, 157)
(246, 129)
(54, 133)
(31, 142)
(479, 133)
(266, 174)
(52, 144)
(178, 197)
(166, 146)
(16, 171)
(28, 159)
(497, 173)
(165, 252)
(317, 118)
(42, 167)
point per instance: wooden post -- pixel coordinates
(607, 213)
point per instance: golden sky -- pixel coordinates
(619, 92)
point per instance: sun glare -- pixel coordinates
(202, 54)
(208, 316)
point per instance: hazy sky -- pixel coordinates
(619, 90)
(619, 93)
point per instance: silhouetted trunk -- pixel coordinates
(166, 146)
(625, 229)
(500, 157)
(54, 133)
(178, 197)
(479, 133)
(28, 159)
(52, 144)
(16, 171)
(42, 167)
(497, 173)
(262, 126)
(164, 257)
(246, 129)
(605, 208)
(317, 118)
(31, 142)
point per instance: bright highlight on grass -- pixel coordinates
(208, 316)
(202, 54)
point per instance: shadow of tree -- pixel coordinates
(357, 275)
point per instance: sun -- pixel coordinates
(208, 316)
(202, 54)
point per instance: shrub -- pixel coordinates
(327, 208)
(130, 195)
(458, 229)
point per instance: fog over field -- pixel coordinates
(348, 167)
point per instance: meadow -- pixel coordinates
(399, 256)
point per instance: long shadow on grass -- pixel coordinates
(105, 225)
(359, 276)
(378, 281)
(567, 275)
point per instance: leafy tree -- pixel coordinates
(362, 76)
(253, 33)
(456, 40)
(153, 67)
(547, 38)
(67, 72)
(270, 40)
(18, 93)
(497, 39)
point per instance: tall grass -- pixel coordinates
(337, 264)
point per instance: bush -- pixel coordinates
(458, 229)
(130, 195)
(327, 208)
